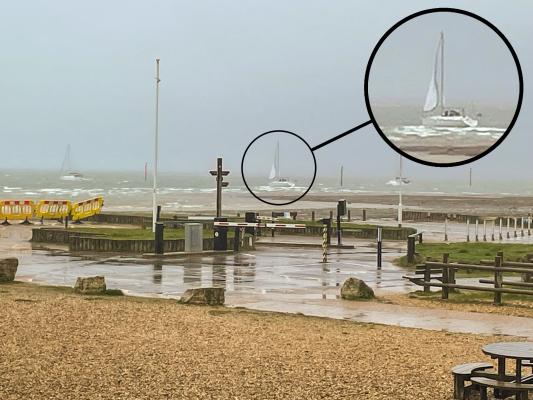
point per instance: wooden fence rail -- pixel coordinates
(442, 274)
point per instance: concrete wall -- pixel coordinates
(93, 243)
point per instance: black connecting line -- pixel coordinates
(341, 135)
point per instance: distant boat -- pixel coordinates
(446, 117)
(67, 173)
(276, 180)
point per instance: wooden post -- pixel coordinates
(497, 280)
(446, 229)
(529, 225)
(493, 229)
(427, 278)
(445, 270)
(324, 243)
(313, 216)
(349, 215)
(514, 226)
(477, 226)
(468, 229)
(522, 226)
(484, 230)
(364, 215)
(500, 236)
(379, 247)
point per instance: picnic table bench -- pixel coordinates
(502, 383)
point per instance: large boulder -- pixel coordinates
(356, 289)
(8, 269)
(206, 296)
(90, 285)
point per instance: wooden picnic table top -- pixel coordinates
(513, 350)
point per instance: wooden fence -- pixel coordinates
(442, 274)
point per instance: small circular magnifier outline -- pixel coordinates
(270, 202)
(500, 35)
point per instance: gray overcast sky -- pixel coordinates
(83, 73)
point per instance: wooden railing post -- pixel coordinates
(427, 279)
(445, 275)
(498, 278)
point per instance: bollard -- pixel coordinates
(468, 230)
(477, 228)
(445, 229)
(159, 243)
(508, 224)
(237, 239)
(484, 230)
(379, 247)
(324, 243)
(410, 249)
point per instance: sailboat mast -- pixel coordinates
(441, 93)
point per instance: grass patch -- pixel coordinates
(469, 253)
(139, 233)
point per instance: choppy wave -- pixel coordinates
(424, 131)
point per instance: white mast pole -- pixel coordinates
(442, 72)
(400, 216)
(156, 146)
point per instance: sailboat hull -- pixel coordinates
(449, 121)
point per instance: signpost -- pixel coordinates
(219, 173)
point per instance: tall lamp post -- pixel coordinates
(156, 146)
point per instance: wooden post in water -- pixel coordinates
(445, 275)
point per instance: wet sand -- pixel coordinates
(59, 345)
(385, 204)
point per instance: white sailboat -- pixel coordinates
(447, 116)
(67, 173)
(276, 180)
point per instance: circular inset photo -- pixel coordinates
(278, 167)
(443, 87)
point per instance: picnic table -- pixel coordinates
(518, 351)
(504, 384)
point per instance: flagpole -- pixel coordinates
(400, 210)
(156, 146)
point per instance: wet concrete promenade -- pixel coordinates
(285, 279)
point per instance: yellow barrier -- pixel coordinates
(16, 210)
(53, 209)
(87, 208)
